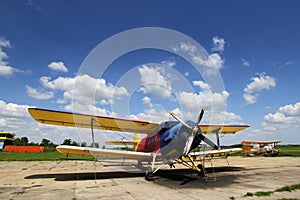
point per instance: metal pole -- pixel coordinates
(93, 138)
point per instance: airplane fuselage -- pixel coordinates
(170, 137)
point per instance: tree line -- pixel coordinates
(23, 141)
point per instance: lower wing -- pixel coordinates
(216, 152)
(103, 153)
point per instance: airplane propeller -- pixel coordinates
(194, 131)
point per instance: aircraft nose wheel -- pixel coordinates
(149, 176)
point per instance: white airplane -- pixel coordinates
(166, 143)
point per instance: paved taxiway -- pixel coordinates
(95, 180)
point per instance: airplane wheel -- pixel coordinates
(201, 173)
(149, 176)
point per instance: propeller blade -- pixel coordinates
(200, 116)
(208, 141)
(194, 131)
(188, 144)
(180, 120)
(190, 139)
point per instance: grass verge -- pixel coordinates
(288, 188)
(45, 156)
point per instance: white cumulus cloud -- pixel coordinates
(291, 110)
(84, 89)
(154, 82)
(284, 122)
(262, 82)
(218, 44)
(211, 62)
(5, 69)
(147, 101)
(202, 85)
(213, 102)
(38, 93)
(285, 114)
(16, 119)
(4, 42)
(168, 63)
(12, 110)
(58, 66)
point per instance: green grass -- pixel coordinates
(18, 193)
(45, 156)
(289, 150)
(263, 194)
(288, 188)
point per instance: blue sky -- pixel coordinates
(253, 45)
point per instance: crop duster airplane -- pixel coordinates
(266, 148)
(166, 143)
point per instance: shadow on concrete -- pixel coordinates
(217, 177)
(86, 176)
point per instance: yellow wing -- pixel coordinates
(263, 143)
(86, 121)
(222, 129)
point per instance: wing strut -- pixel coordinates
(218, 138)
(92, 129)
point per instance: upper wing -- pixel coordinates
(264, 143)
(103, 153)
(222, 129)
(87, 121)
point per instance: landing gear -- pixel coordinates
(201, 172)
(172, 165)
(149, 176)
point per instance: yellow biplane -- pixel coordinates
(251, 148)
(166, 143)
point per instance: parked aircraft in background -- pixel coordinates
(251, 148)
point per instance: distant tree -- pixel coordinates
(49, 146)
(25, 140)
(83, 144)
(20, 141)
(17, 142)
(45, 142)
(32, 144)
(67, 142)
(74, 143)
